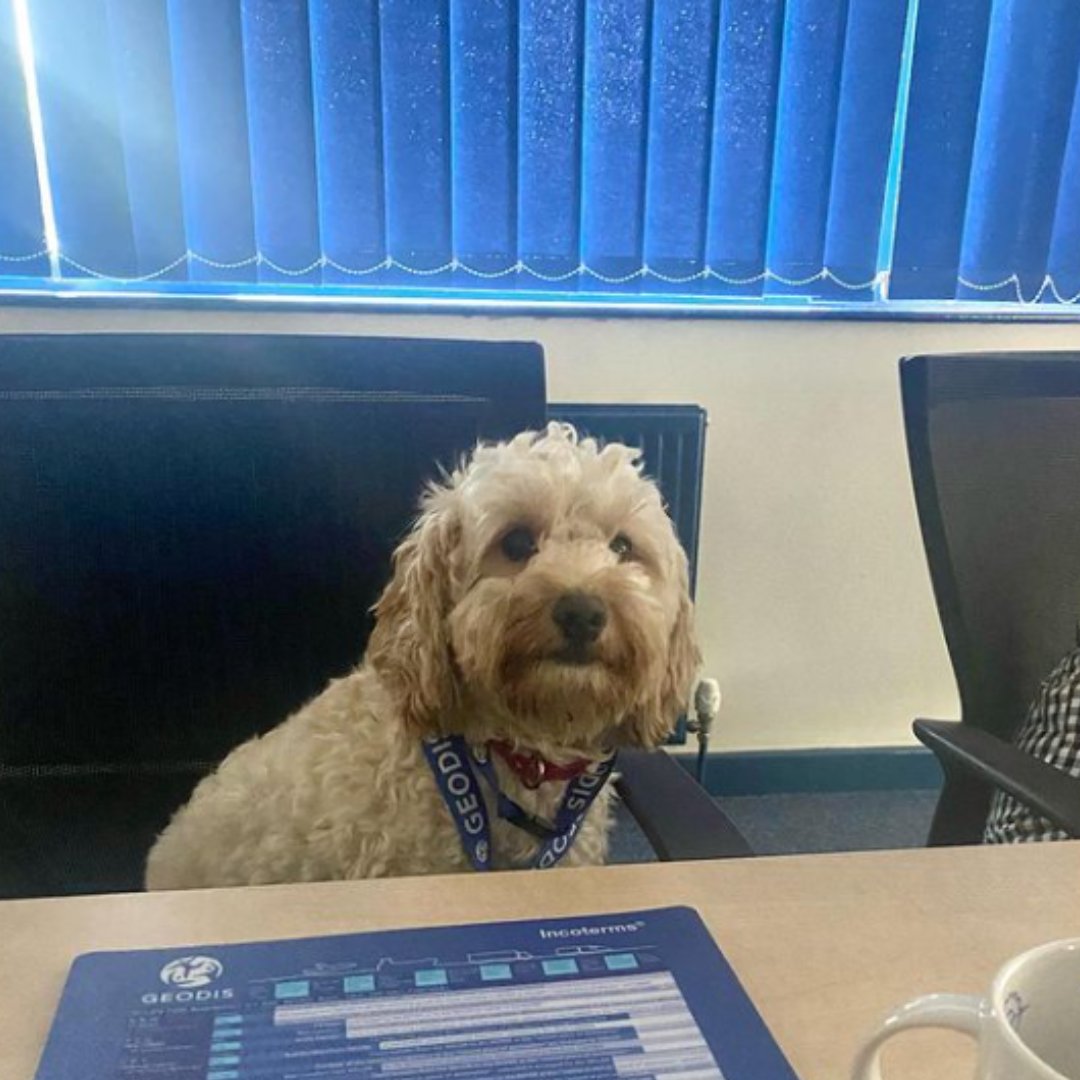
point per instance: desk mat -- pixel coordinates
(645, 995)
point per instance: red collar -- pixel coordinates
(534, 770)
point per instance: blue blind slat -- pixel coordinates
(211, 121)
(617, 34)
(416, 133)
(77, 86)
(483, 58)
(680, 109)
(864, 132)
(813, 53)
(348, 129)
(139, 35)
(277, 71)
(950, 50)
(747, 81)
(549, 140)
(1031, 69)
(22, 232)
(1064, 262)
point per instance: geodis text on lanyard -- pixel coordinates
(452, 762)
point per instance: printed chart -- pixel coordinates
(643, 995)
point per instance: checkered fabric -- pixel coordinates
(1050, 732)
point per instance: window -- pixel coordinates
(868, 153)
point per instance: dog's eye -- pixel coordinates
(622, 546)
(518, 545)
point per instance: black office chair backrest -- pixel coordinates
(192, 531)
(994, 444)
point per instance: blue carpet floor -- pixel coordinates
(805, 823)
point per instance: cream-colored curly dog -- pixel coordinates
(540, 602)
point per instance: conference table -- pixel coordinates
(824, 944)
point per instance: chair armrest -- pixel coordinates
(1048, 791)
(675, 813)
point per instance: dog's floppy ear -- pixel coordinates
(684, 659)
(652, 724)
(410, 647)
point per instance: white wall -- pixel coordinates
(815, 608)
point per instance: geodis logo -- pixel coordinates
(192, 971)
(189, 976)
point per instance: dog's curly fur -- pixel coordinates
(464, 643)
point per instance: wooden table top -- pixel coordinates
(824, 944)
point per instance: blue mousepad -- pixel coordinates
(645, 995)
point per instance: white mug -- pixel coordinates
(1027, 1028)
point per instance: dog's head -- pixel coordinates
(541, 597)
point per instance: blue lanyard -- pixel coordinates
(451, 762)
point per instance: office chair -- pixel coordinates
(994, 447)
(192, 531)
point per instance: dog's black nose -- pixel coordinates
(580, 617)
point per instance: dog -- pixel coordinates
(538, 618)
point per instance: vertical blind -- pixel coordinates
(864, 151)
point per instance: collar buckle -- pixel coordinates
(533, 772)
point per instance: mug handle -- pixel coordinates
(960, 1012)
